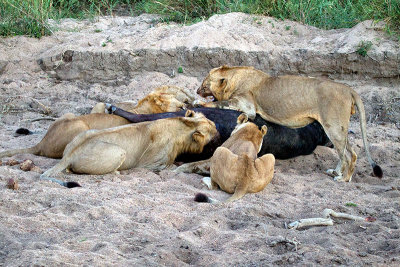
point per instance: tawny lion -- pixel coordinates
(235, 168)
(166, 98)
(61, 132)
(293, 101)
(152, 145)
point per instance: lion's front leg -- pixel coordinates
(220, 104)
(200, 167)
(241, 104)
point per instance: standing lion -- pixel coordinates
(292, 101)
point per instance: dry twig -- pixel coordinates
(325, 221)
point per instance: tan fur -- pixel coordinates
(68, 126)
(165, 98)
(153, 145)
(235, 167)
(292, 101)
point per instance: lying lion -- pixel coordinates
(165, 98)
(292, 101)
(281, 141)
(152, 145)
(68, 126)
(235, 168)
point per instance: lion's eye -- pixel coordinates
(221, 81)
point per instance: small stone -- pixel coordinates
(12, 162)
(26, 165)
(12, 184)
(36, 169)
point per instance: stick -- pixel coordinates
(43, 119)
(325, 221)
(310, 222)
(328, 212)
(46, 109)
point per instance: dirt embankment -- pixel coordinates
(143, 218)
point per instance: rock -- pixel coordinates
(12, 162)
(26, 165)
(12, 184)
(36, 169)
(3, 65)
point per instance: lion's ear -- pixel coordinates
(264, 130)
(198, 137)
(189, 113)
(242, 118)
(223, 82)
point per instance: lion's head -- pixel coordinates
(246, 130)
(203, 132)
(221, 82)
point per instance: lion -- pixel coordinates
(235, 168)
(292, 101)
(165, 98)
(152, 145)
(63, 130)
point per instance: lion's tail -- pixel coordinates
(239, 193)
(30, 150)
(59, 167)
(363, 124)
(200, 197)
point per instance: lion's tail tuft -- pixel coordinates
(200, 197)
(377, 170)
(23, 131)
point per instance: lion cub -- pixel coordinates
(235, 167)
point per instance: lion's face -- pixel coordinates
(204, 130)
(216, 85)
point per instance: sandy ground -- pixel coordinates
(145, 218)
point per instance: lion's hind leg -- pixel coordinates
(335, 118)
(224, 169)
(338, 135)
(97, 157)
(265, 166)
(91, 158)
(352, 160)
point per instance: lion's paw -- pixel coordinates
(339, 178)
(333, 172)
(207, 182)
(330, 171)
(198, 103)
(179, 168)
